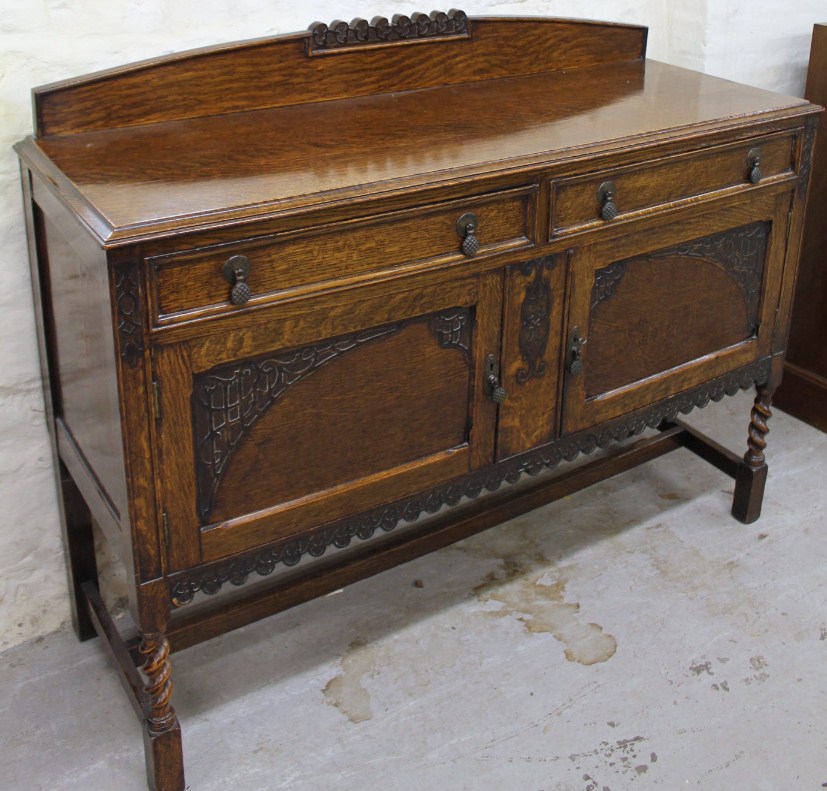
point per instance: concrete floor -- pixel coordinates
(632, 636)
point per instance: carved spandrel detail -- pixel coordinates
(184, 586)
(359, 33)
(739, 251)
(606, 280)
(128, 310)
(228, 401)
(535, 313)
(453, 330)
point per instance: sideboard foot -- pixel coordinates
(751, 475)
(162, 733)
(164, 759)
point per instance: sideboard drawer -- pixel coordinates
(577, 203)
(192, 284)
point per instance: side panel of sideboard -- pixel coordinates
(84, 387)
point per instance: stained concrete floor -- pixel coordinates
(632, 636)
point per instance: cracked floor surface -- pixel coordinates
(631, 636)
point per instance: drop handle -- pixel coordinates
(754, 164)
(496, 392)
(236, 270)
(467, 227)
(606, 193)
(576, 343)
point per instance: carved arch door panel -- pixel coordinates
(261, 425)
(639, 324)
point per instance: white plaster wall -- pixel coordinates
(761, 42)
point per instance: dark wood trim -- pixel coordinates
(260, 382)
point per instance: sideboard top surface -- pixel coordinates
(136, 182)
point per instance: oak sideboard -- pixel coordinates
(319, 301)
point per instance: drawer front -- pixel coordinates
(192, 284)
(577, 203)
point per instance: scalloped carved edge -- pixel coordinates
(263, 561)
(359, 33)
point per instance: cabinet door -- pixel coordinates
(283, 419)
(662, 310)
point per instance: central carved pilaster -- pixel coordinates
(535, 315)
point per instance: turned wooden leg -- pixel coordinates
(79, 549)
(752, 471)
(162, 733)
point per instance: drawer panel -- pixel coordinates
(576, 203)
(191, 284)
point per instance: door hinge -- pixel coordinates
(165, 528)
(156, 399)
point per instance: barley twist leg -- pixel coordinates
(158, 672)
(751, 475)
(162, 733)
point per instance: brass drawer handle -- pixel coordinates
(467, 226)
(236, 271)
(496, 391)
(606, 195)
(754, 164)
